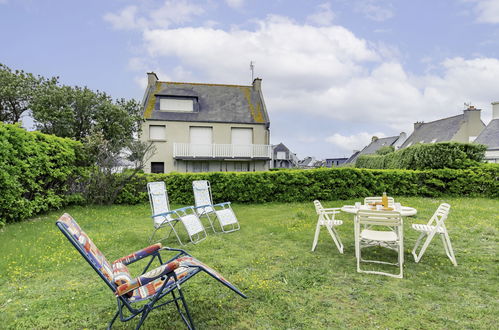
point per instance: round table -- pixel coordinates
(405, 211)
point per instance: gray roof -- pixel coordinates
(435, 131)
(374, 146)
(490, 135)
(212, 103)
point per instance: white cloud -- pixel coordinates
(170, 13)
(376, 10)
(325, 71)
(235, 3)
(352, 142)
(487, 11)
(324, 15)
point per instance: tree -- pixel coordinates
(385, 150)
(17, 91)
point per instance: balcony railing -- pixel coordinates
(188, 150)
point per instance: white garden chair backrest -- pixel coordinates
(379, 218)
(318, 207)
(369, 200)
(440, 215)
(202, 195)
(158, 198)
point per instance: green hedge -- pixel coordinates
(35, 172)
(427, 156)
(324, 184)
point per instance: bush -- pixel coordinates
(427, 156)
(323, 184)
(36, 171)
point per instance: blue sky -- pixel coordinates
(334, 72)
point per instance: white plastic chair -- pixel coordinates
(378, 199)
(205, 207)
(327, 219)
(435, 226)
(393, 238)
(164, 217)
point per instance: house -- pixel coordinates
(335, 162)
(283, 157)
(206, 127)
(461, 128)
(307, 162)
(378, 143)
(490, 136)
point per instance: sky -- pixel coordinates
(334, 73)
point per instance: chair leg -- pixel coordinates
(110, 325)
(336, 238)
(418, 257)
(143, 317)
(188, 321)
(418, 241)
(316, 236)
(448, 248)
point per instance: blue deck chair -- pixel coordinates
(151, 286)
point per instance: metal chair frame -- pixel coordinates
(168, 288)
(369, 219)
(436, 225)
(205, 207)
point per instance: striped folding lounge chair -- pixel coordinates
(153, 288)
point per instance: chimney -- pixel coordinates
(257, 84)
(402, 135)
(151, 78)
(417, 125)
(374, 138)
(472, 115)
(495, 110)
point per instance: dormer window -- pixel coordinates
(171, 104)
(176, 104)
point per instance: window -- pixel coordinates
(170, 104)
(200, 167)
(281, 155)
(157, 132)
(242, 139)
(201, 141)
(241, 166)
(157, 167)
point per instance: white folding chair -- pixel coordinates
(435, 226)
(204, 207)
(327, 219)
(163, 217)
(378, 199)
(393, 238)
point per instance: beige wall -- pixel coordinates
(178, 132)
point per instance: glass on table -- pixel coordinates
(398, 207)
(357, 205)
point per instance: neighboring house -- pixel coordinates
(335, 162)
(206, 127)
(307, 162)
(461, 128)
(490, 136)
(377, 143)
(283, 157)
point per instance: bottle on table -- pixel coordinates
(384, 200)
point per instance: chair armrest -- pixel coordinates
(332, 209)
(222, 204)
(146, 278)
(201, 206)
(141, 254)
(164, 214)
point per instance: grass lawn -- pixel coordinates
(45, 283)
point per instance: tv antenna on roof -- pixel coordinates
(252, 69)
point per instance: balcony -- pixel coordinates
(221, 151)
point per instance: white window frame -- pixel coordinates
(176, 104)
(160, 137)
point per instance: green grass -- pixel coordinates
(44, 283)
